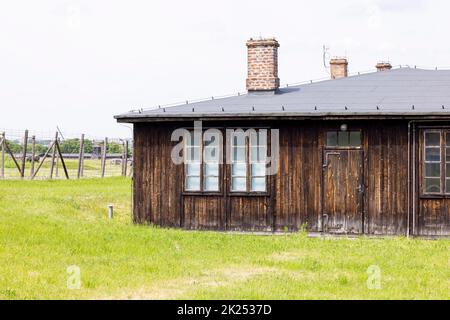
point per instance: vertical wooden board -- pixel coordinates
(386, 177)
(249, 213)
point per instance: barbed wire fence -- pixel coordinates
(32, 155)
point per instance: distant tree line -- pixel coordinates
(67, 146)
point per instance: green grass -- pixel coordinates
(46, 226)
(92, 168)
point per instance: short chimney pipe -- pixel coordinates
(383, 66)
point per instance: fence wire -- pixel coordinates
(55, 154)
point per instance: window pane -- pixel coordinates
(258, 153)
(448, 155)
(447, 139)
(258, 184)
(238, 184)
(258, 169)
(193, 169)
(433, 185)
(239, 169)
(211, 154)
(193, 153)
(193, 138)
(343, 139)
(212, 184)
(355, 138)
(209, 140)
(211, 169)
(447, 171)
(238, 153)
(432, 154)
(193, 183)
(239, 139)
(447, 186)
(331, 139)
(432, 139)
(433, 170)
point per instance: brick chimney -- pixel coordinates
(262, 64)
(383, 66)
(338, 68)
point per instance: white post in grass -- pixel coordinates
(110, 211)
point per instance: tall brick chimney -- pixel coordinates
(383, 66)
(338, 68)
(262, 74)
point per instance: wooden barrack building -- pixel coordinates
(363, 154)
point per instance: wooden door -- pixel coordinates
(343, 190)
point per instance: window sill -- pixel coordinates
(434, 196)
(202, 193)
(248, 194)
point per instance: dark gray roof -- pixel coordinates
(398, 92)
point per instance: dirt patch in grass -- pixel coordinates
(176, 288)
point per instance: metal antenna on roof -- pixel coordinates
(223, 109)
(443, 107)
(378, 108)
(253, 108)
(282, 108)
(193, 109)
(346, 108)
(325, 57)
(315, 108)
(413, 107)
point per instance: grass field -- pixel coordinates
(92, 168)
(47, 226)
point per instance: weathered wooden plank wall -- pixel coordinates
(157, 187)
(294, 194)
(297, 200)
(386, 178)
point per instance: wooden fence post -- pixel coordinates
(2, 173)
(33, 154)
(43, 159)
(24, 154)
(6, 147)
(103, 163)
(62, 159)
(123, 157)
(125, 165)
(81, 158)
(57, 162)
(52, 165)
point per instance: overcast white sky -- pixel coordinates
(76, 63)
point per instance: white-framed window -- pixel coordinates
(211, 167)
(193, 162)
(436, 162)
(248, 160)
